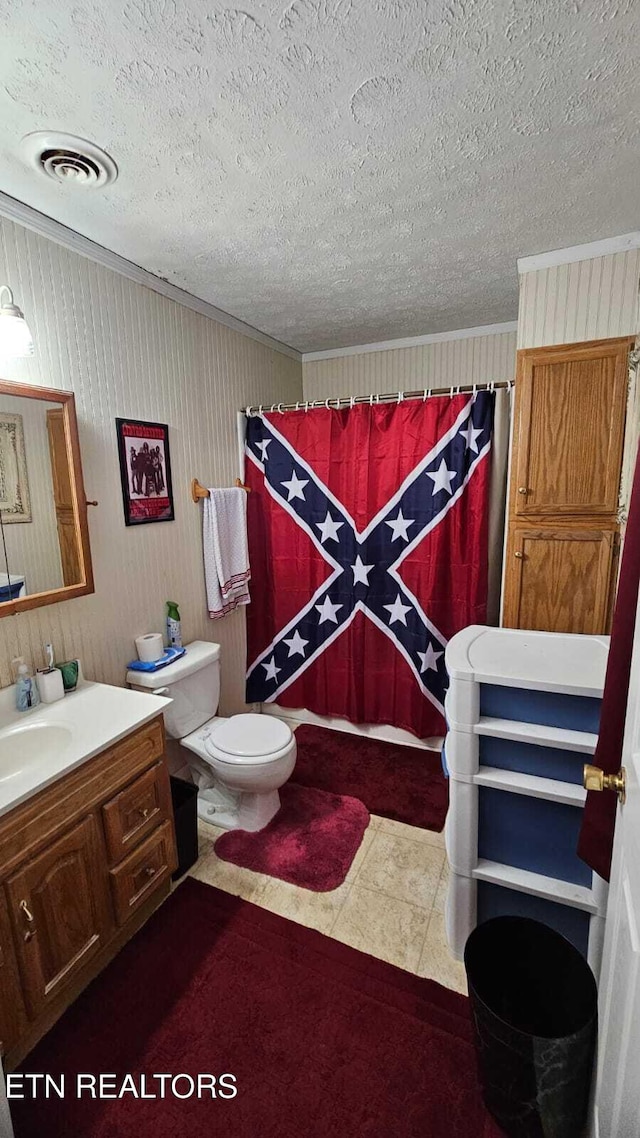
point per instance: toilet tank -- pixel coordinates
(192, 682)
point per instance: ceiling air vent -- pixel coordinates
(67, 159)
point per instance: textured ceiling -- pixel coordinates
(334, 171)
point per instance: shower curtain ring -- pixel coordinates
(424, 395)
(297, 405)
(351, 402)
(400, 396)
(451, 392)
(260, 409)
(326, 403)
(306, 404)
(371, 399)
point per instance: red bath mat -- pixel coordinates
(403, 783)
(311, 842)
(322, 1040)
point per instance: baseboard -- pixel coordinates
(367, 730)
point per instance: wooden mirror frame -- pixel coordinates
(67, 401)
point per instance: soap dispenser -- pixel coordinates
(26, 691)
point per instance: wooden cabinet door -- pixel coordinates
(559, 579)
(569, 426)
(60, 912)
(12, 1013)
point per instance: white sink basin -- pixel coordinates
(33, 744)
(44, 744)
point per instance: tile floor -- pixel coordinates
(391, 904)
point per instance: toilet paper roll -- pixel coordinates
(150, 647)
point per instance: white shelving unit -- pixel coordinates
(522, 713)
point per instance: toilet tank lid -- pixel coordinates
(197, 655)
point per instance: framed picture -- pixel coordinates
(15, 502)
(145, 471)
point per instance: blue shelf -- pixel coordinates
(528, 758)
(575, 712)
(531, 833)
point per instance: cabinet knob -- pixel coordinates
(144, 811)
(519, 555)
(523, 490)
(150, 871)
(26, 911)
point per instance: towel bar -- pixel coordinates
(198, 491)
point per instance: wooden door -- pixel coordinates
(60, 912)
(12, 1012)
(566, 462)
(617, 1095)
(559, 579)
(63, 498)
(571, 410)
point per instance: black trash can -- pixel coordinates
(184, 798)
(534, 1003)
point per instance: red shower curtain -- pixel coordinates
(368, 548)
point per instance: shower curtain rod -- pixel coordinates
(386, 397)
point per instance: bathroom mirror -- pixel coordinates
(43, 511)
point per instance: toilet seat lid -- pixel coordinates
(245, 738)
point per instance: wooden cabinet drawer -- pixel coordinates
(136, 811)
(142, 871)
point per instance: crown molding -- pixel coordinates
(573, 253)
(46, 226)
(413, 341)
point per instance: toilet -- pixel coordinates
(238, 764)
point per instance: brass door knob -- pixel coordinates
(519, 555)
(594, 778)
(523, 489)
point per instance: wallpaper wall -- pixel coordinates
(477, 359)
(127, 351)
(587, 300)
(33, 549)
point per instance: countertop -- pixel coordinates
(93, 718)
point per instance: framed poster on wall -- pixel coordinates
(15, 502)
(145, 471)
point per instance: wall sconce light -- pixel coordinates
(15, 337)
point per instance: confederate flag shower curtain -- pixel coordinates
(368, 542)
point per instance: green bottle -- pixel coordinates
(174, 632)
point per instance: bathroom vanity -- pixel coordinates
(87, 847)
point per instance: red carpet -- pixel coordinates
(404, 783)
(323, 1041)
(311, 842)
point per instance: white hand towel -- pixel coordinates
(226, 556)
